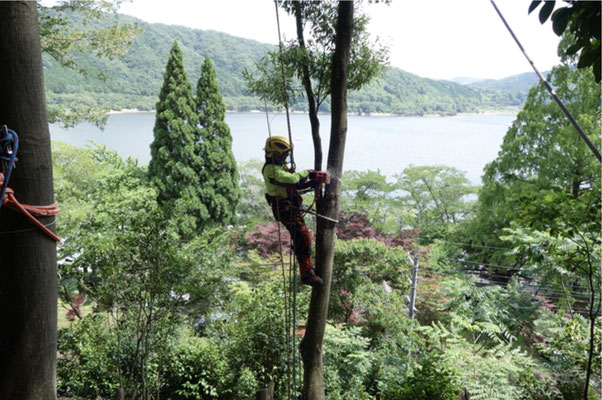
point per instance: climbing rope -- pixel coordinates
(288, 118)
(290, 301)
(284, 278)
(9, 144)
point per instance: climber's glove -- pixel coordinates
(319, 176)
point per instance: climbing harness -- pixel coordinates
(9, 144)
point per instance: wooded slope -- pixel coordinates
(134, 80)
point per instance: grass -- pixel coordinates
(63, 308)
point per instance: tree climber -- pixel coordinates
(283, 188)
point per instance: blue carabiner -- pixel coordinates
(9, 145)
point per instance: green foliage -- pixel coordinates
(134, 78)
(218, 177)
(75, 27)
(582, 20)
(436, 197)
(487, 371)
(384, 322)
(206, 285)
(354, 258)
(542, 145)
(517, 84)
(195, 368)
(559, 228)
(89, 354)
(123, 255)
(252, 206)
(562, 243)
(431, 198)
(403, 93)
(176, 162)
(369, 193)
(566, 348)
(308, 61)
(347, 361)
(254, 337)
(508, 313)
(432, 379)
(541, 152)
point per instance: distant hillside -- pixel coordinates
(520, 83)
(465, 80)
(134, 81)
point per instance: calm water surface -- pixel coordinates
(388, 144)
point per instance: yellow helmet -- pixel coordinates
(276, 146)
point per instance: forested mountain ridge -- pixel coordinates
(515, 83)
(133, 81)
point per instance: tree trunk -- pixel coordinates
(309, 92)
(311, 345)
(28, 294)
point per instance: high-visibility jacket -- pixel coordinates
(281, 183)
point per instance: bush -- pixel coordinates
(432, 380)
(265, 239)
(195, 368)
(88, 359)
(346, 363)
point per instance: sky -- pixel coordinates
(438, 39)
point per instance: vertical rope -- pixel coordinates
(284, 88)
(284, 279)
(293, 275)
(293, 270)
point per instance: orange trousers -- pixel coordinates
(289, 213)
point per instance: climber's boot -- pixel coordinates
(312, 279)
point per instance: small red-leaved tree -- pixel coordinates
(269, 239)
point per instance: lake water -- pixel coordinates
(388, 144)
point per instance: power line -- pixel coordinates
(485, 264)
(525, 278)
(502, 267)
(476, 245)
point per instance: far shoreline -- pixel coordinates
(508, 111)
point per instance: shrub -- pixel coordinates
(432, 380)
(195, 368)
(265, 239)
(87, 360)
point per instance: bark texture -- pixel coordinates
(28, 300)
(311, 345)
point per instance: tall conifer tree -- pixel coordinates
(219, 176)
(175, 163)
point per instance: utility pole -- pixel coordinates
(414, 281)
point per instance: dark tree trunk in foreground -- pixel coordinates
(28, 299)
(311, 345)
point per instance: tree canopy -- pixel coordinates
(218, 177)
(582, 20)
(175, 160)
